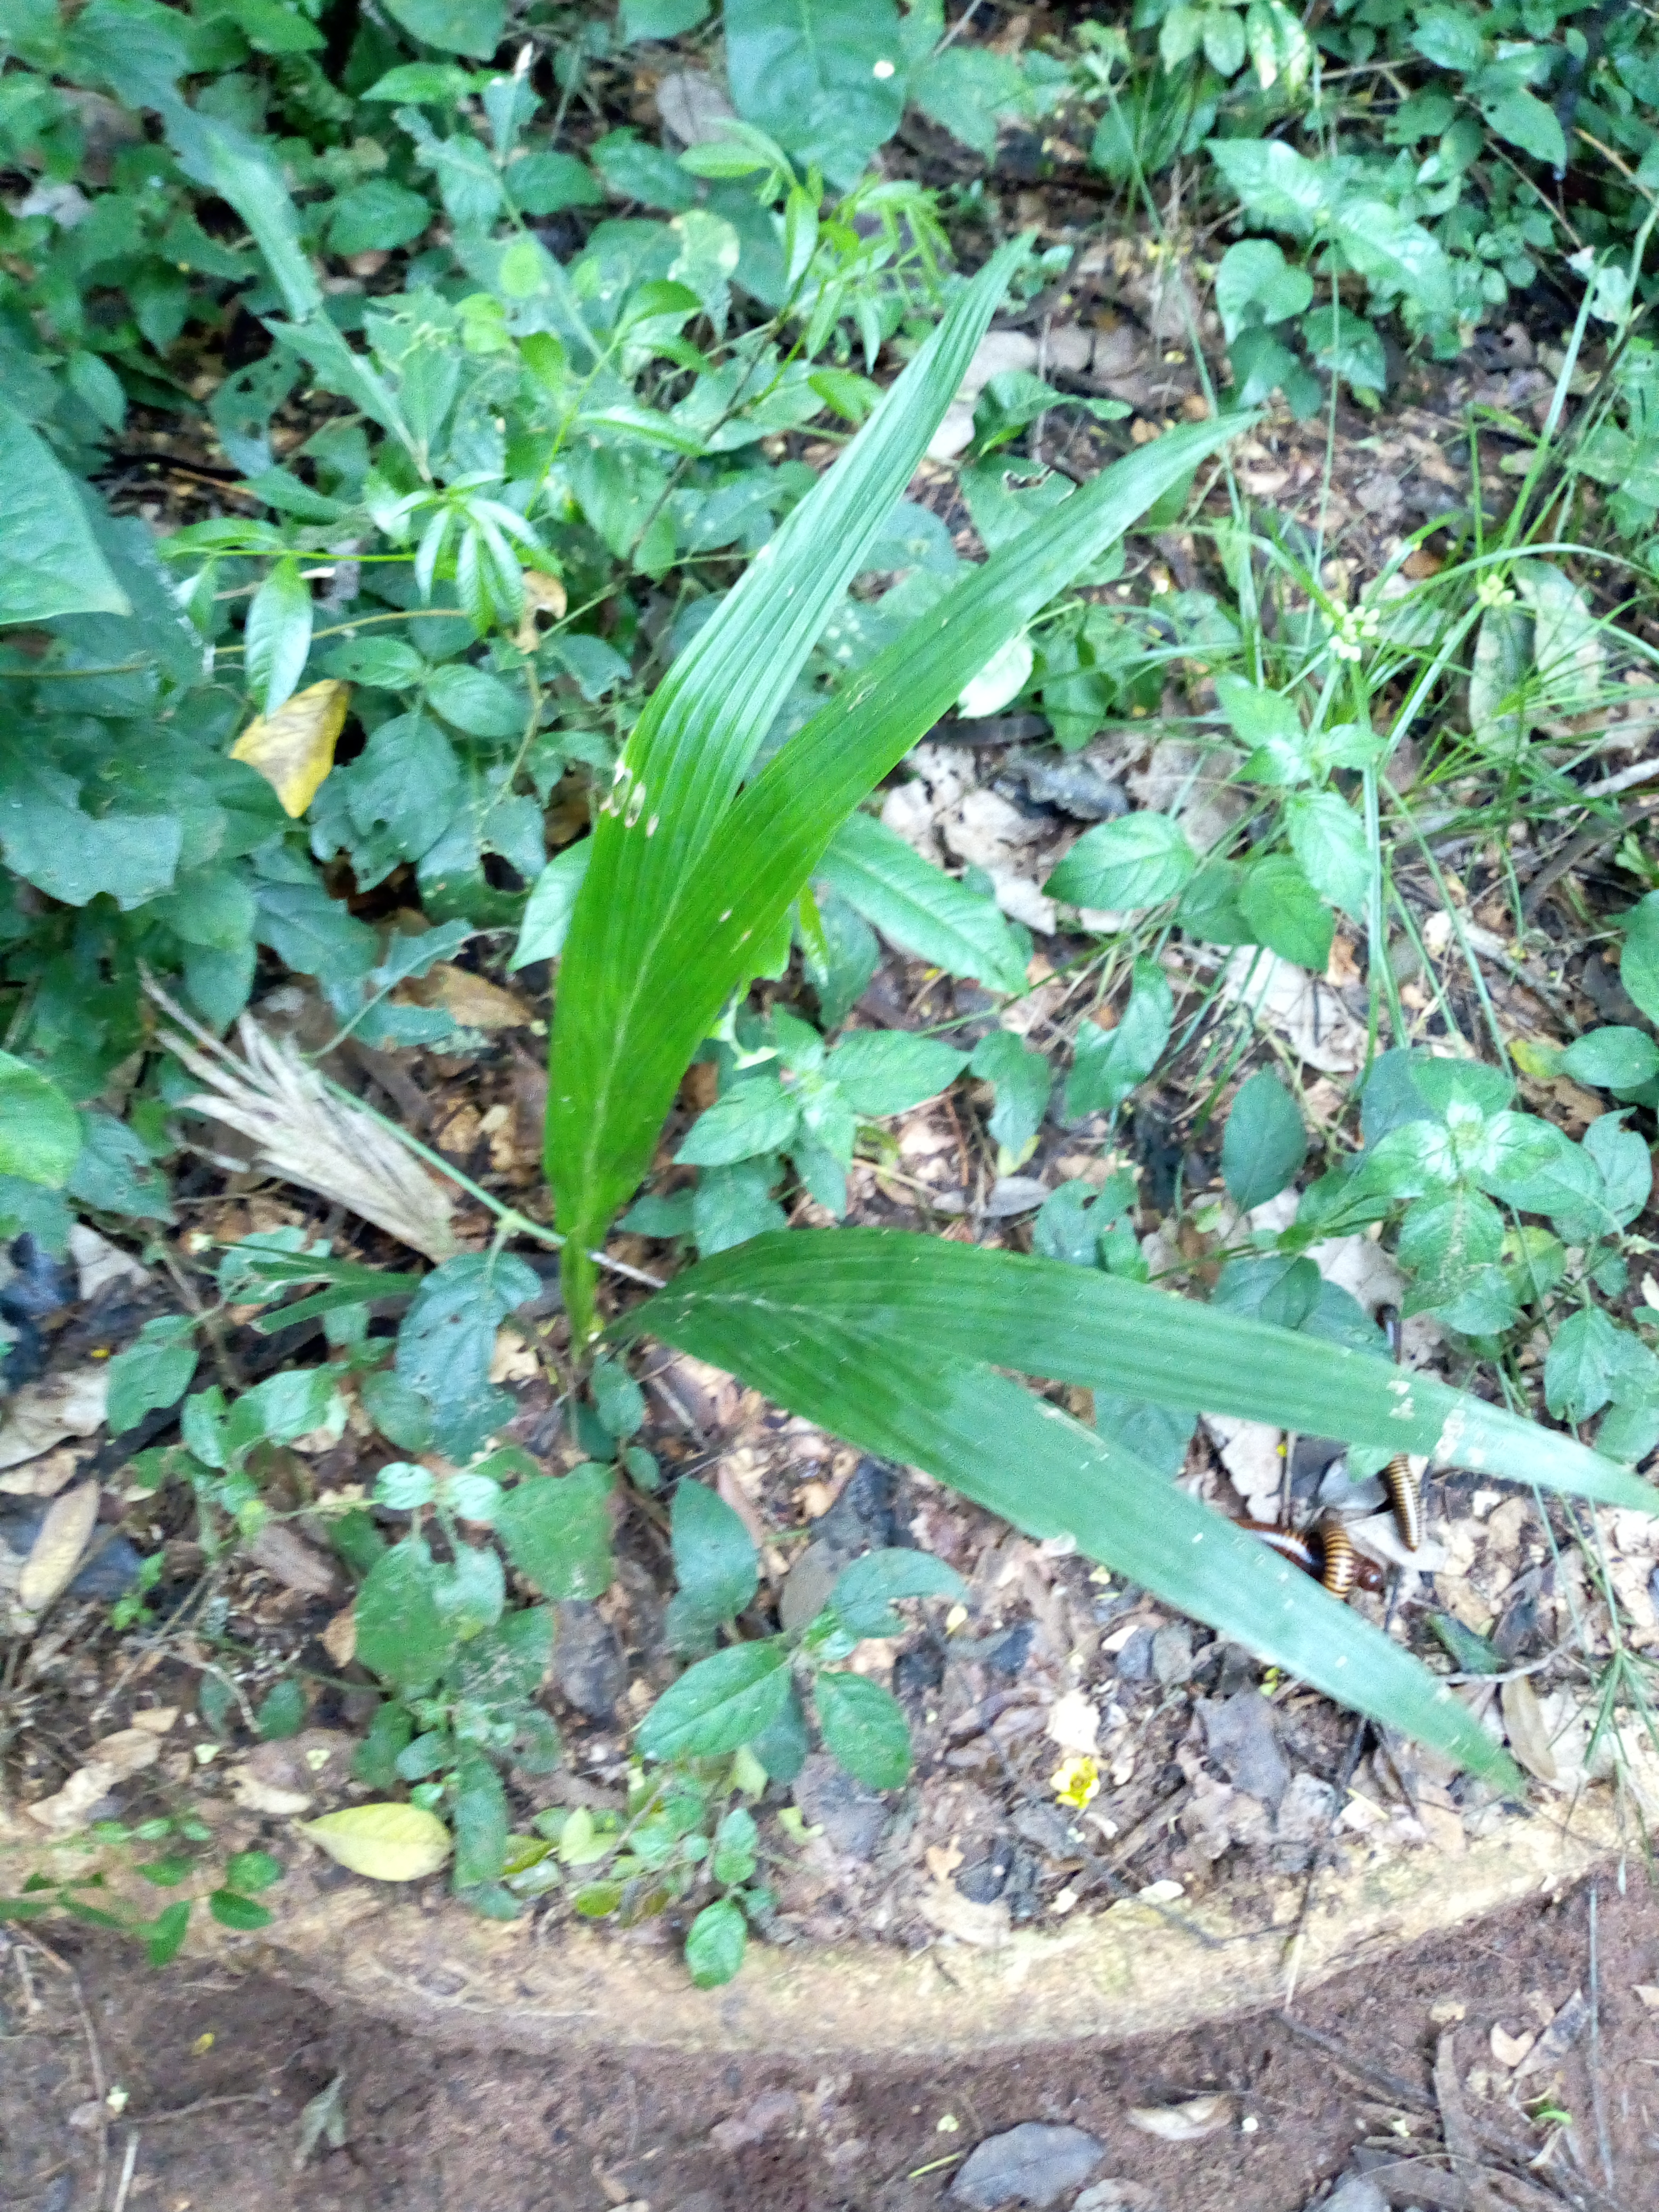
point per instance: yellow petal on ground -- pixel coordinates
(384, 1843)
(293, 747)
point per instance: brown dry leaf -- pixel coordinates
(41, 1414)
(268, 1799)
(281, 1552)
(1342, 967)
(339, 1639)
(44, 1477)
(988, 1927)
(1116, 2194)
(542, 595)
(98, 1263)
(1187, 2123)
(1523, 1722)
(1455, 2125)
(1254, 1457)
(1301, 1007)
(155, 1720)
(56, 1553)
(472, 1001)
(729, 1484)
(293, 747)
(943, 1859)
(1649, 1994)
(310, 1136)
(1510, 2050)
(117, 1757)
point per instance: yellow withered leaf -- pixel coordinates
(384, 1843)
(293, 747)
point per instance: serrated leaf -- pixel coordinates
(755, 1117)
(863, 1593)
(1264, 1143)
(864, 1728)
(384, 1843)
(1024, 1083)
(552, 901)
(39, 1129)
(714, 1944)
(1328, 839)
(919, 909)
(1108, 1063)
(50, 564)
(1286, 913)
(277, 638)
(293, 747)
(232, 1910)
(402, 1634)
(556, 1529)
(480, 1820)
(1613, 1058)
(455, 26)
(715, 1564)
(719, 1703)
(154, 1371)
(1127, 864)
(882, 1072)
(447, 1340)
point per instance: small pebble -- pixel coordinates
(589, 1669)
(1172, 1653)
(851, 1816)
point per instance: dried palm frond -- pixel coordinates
(307, 1135)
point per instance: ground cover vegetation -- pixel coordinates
(556, 600)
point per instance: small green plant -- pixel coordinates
(233, 1902)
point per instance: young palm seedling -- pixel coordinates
(896, 1342)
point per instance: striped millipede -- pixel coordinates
(1405, 1491)
(1327, 1552)
(1406, 1497)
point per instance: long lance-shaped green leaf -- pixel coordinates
(1074, 1325)
(1032, 1463)
(686, 757)
(778, 829)
(775, 832)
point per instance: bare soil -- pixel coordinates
(213, 2071)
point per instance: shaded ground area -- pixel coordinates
(213, 2075)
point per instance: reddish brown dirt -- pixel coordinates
(216, 2070)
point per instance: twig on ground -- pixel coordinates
(1517, 2152)
(201, 2105)
(128, 2166)
(95, 2059)
(1455, 2125)
(1595, 837)
(1598, 2101)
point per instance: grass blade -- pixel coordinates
(1027, 1460)
(1075, 1325)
